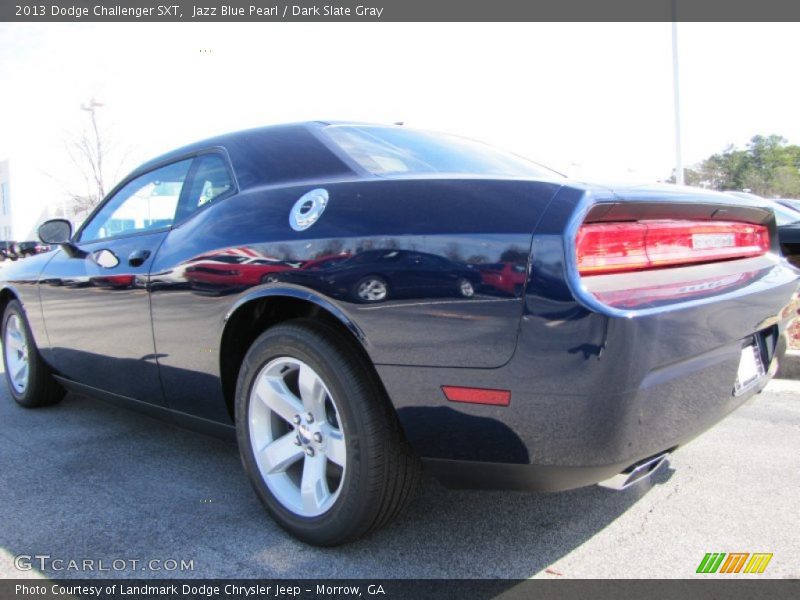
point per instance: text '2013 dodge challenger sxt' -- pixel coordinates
(348, 299)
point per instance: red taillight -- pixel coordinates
(477, 395)
(639, 245)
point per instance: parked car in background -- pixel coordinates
(16, 250)
(23, 249)
(644, 315)
(7, 250)
(788, 220)
(789, 202)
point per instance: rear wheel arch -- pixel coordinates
(7, 294)
(251, 317)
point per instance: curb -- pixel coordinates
(789, 365)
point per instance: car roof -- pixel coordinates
(275, 153)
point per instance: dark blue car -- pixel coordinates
(642, 315)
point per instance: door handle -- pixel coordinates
(137, 257)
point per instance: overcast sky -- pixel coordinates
(591, 100)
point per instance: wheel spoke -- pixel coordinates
(311, 391)
(273, 392)
(314, 487)
(13, 342)
(19, 371)
(335, 449)
(281, 454)
(22, 376)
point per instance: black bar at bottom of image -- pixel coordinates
(394, 589)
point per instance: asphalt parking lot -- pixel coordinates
(86, 480)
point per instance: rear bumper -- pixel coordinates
(591, 394)
(536, 478)
(558, 442)
(462, 474)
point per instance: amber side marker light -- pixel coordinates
(642, 245)
(477, 395)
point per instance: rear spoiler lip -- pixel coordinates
(700, 209)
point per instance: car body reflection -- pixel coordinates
(656, 294)
(226, 271)
(377, 275)
(115, 282)
(505, 277)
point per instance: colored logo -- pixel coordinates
(734, 562)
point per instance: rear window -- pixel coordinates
(395, 150)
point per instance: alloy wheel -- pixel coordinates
(466, 288)
(296, 436)
(16, 350)
(372, 290)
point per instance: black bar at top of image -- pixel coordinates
(397, 589)
(398, 10)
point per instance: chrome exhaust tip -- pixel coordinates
(636, 472)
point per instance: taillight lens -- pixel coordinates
(638, 245)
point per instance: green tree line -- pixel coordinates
(769, 166)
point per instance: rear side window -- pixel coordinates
(396, 150)
(210, 181)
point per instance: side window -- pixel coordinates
(209, 182)
(146, 203)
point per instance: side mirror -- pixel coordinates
(55, 231)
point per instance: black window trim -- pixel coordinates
(220, 151)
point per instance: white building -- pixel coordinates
(6, 226)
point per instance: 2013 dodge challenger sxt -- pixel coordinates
(349, 299)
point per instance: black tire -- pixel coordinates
(360, 297)
(382, 472)
(41, 389)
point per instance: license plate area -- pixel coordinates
(751, 366)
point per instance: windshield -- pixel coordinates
(396, 150)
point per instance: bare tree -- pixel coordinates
(87, 150)
(92, 152)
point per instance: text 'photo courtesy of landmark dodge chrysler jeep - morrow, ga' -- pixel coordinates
(353, 302)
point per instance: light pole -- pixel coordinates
(676, 88)
(90, 108)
